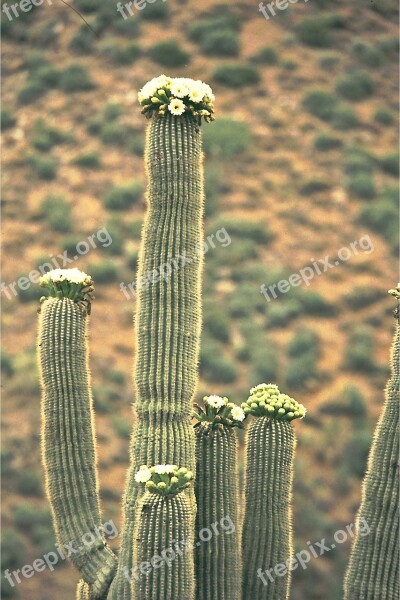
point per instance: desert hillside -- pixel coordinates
(301, 171)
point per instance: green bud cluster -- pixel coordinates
(218, 411)
(266, 400)
(165, 480)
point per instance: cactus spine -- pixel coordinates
(168, 319)
(267, 528)
(217, 560)
(68, 449)
(373, 571)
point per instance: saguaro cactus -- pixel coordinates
(267, 528)
(218, 559)
(373, 571)
(68, 449)
(168, 319)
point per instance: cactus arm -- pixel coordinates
(68, 444)
(373, 570)
(168, 318)
(267, 528)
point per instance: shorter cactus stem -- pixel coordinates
(163, 548)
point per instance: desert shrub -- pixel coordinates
(266, 56)
(382, 215)
(155, 12)
(362, 296)
(103, 272)
(215, 366)
(113, 133)
(88, 160)
(355, 453)
(343, 118)
(350, 403)
(117, 377)
(28, 483)
(123, 197)
(216, 322)
(12, 549)
(112, 111)
(317, 31)
(27, 517)
(243, 302)
(44, 137)
(122, 426)
(289, 65)
(355, 86)
(324, 142)
(82, 41)
(75, 78)
(57, 211)
(383, 116)
(236, 75)
(104, 398)
(136, 144)
(358, 161)
(390, 163)
(241, 250)
(31, 92)
(132, 260)
(6, 363)
(359, 351)
(169, 54)
(329, 61)
(44, 167)
(227, 138)
(263, 361)
(125, 55)
(222, 42)
(362, 185)
(135, 229)
(36, 60)
(44, 539)
(300, 370)
(117, 235)
(369, 55)
(200, 30)
(87, 6)
(386, 8)
(303, 342)
(320, 104)
(31, 294)
(313, 186)
(389, 46)
(283, 311)
(7, 119)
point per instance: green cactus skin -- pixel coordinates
(267, 528)
(168, 319)
(68, 448)
(163, 524)
(373, 570)
(217, 561)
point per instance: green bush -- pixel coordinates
(362, 296)
(369, 55)
(227, 138)
(236, 75)
(169, 54)
(324, 142)
(300, 370)
(45, 137)
(31, 294)
(219, 369)
(321, 104)
(283, 311)
(313, 186)
(57, 211)
(316, 31)
(386, 8)
(87, 6)
(362, 185)
(384, 116)
(344, 118)
(155, 12)
(27, 517)
(263, 361)
(216, 323)
(88, 160)
(44, 167)
(75, 78)
(28, 483)
(390, 164)
(7, 119)
(358, 161)
(266, 56)
(7, 367)
(382, 215)
(113, 133)
(329, 61)
(31, 92)
(103, 272)
(82, 41)
(200, 30)
(355, 453)
(122, 426)
(123, 197)
(350, 403)
(12, 549)
(117, 235)
(222, 42)
(359, 351)
(355, 86)
(303, 342)
(256, 231)
(136, 144)
(125, 55)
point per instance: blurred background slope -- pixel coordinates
(301, 161)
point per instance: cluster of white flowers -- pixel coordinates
(143, 475)
(216, 401)
(238, 414)
(177, 95)
(165, 469)
(71, 275)
(262, 387)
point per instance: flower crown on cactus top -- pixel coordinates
(266, 400)
(165, 480)
(219, 411)
(177, 95)
(69, 283)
